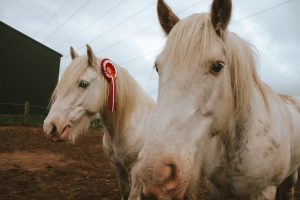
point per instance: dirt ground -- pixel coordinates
(31, 167)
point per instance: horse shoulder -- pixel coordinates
(290, 101)
(292, 120)
(260, 159)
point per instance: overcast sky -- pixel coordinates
(127, 32)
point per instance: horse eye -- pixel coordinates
(217, 67)
(83, 84)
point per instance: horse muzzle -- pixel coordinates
(56, 134)
(161, 180)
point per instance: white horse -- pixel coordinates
(216, 117)
(82, 92)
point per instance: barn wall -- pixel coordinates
(28, 72)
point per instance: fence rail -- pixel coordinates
(25, 117)
(18, 108)
(23, 104)
(22, 113)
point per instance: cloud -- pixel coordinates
(274, 32)
(277, 52)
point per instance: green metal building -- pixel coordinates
(28, 72)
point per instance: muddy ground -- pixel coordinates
(31, 167)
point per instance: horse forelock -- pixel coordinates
(189, 39)
(70, 77)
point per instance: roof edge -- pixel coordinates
(39, 43)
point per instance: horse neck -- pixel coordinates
(131, 101)
(228, 140)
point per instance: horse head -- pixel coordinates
(206, 76)
(78, 96)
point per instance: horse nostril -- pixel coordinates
(173, 171)
(53, 130)
(170, 174)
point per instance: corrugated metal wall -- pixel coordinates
(28, 72)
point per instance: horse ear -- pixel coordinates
(73, 53)
(220, 15)
(166, 16)
(91, 56)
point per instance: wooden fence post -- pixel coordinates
(26, 112)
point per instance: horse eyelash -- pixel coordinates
(156, 69)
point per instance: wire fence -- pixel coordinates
(23, 108)
(22, 113)
(30, 114)
(23, 104)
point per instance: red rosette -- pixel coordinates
(110, 73)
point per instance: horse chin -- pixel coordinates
(79, 127)
(65, 135)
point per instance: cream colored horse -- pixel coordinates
(80, 94)
(216, 117)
